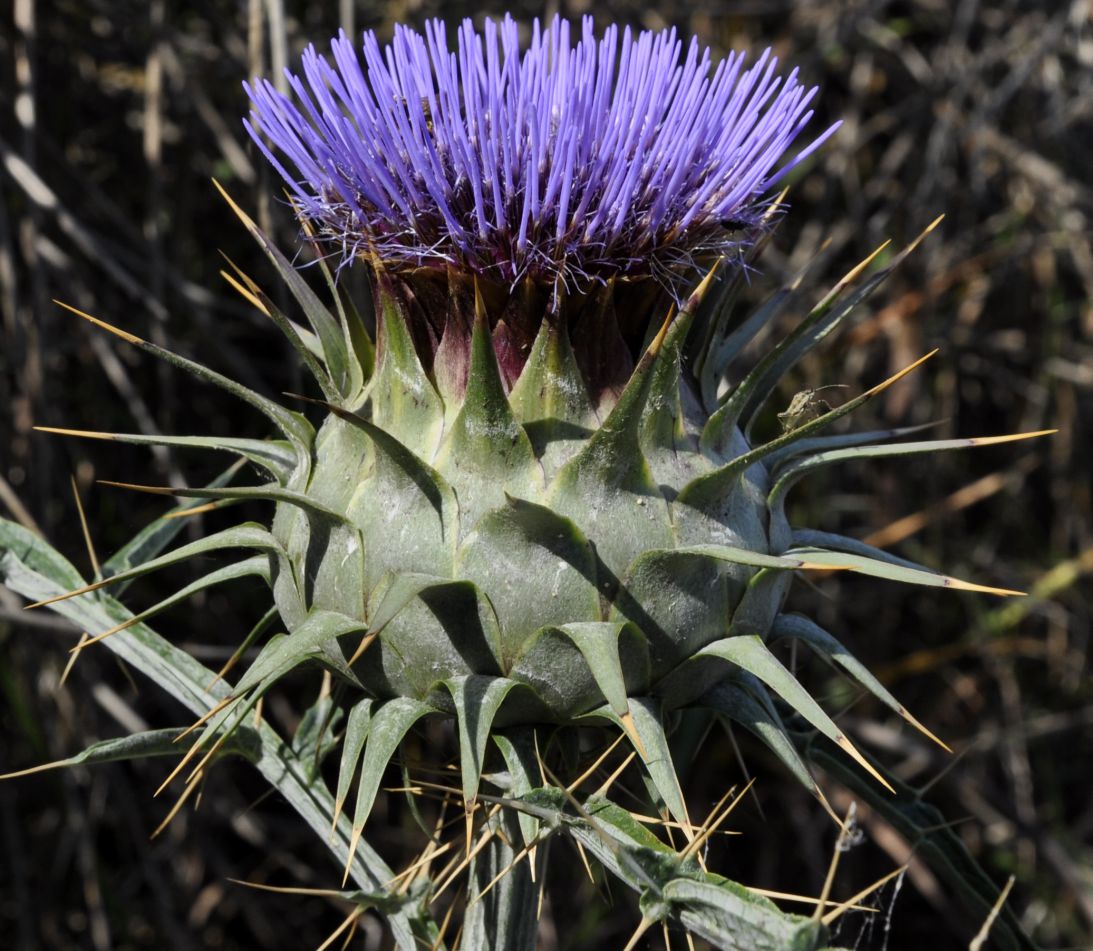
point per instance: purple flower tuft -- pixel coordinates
(613, 157)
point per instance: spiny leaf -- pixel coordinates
(251, 567)
(477, 699)
(265, 493)
(359, 348)
(250, 290)
(32, 568)
(277, 457)
(709, 489)
(321, 320)
(801, 628)
(311, 639)
(153, 538)
(737, 702)
(390, 723)
(646, 731)
(878, 568)
(714, 345)
(729, 920)
(294, 426)
(751, 654)
(750, 394)
(794, 472)
(248, 535)
(132, 746)
(356, 732)
(801, 447)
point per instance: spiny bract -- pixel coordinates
(536, 500)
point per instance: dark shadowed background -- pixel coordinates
(115, 115)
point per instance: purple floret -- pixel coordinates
(612, 157)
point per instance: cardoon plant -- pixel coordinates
(538, 506)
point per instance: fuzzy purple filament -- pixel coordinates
(611, 157)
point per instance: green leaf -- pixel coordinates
(648, 737)
(247, 535)
(520, 541)
(794, 472)
(356, 732)
(315, 639)
(294, 426)
(363, 350)
(749, 653)
(154, 537)
(360, 353)
(817, 444)
(717, 343)
(262, 493)
(878, 568)
(737, 702)
(134, 746)
(558, 674)
(310, 351)
(257, 566)
(390, 724)
(709, 490)
(278, 457)
(722, 352)
(708, 905)
(477, 699)
(321, 320)
(800, 628)
(753, 390)
(730, 918)
(517, 746)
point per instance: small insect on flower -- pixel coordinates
(806, 406)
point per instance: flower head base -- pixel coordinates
(613, 157)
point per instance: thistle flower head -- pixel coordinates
(614, 156)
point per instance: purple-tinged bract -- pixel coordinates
(616, 156)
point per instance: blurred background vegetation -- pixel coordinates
(115, 114)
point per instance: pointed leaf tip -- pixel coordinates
(849, 748)
(905, 713)
(117, 331)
